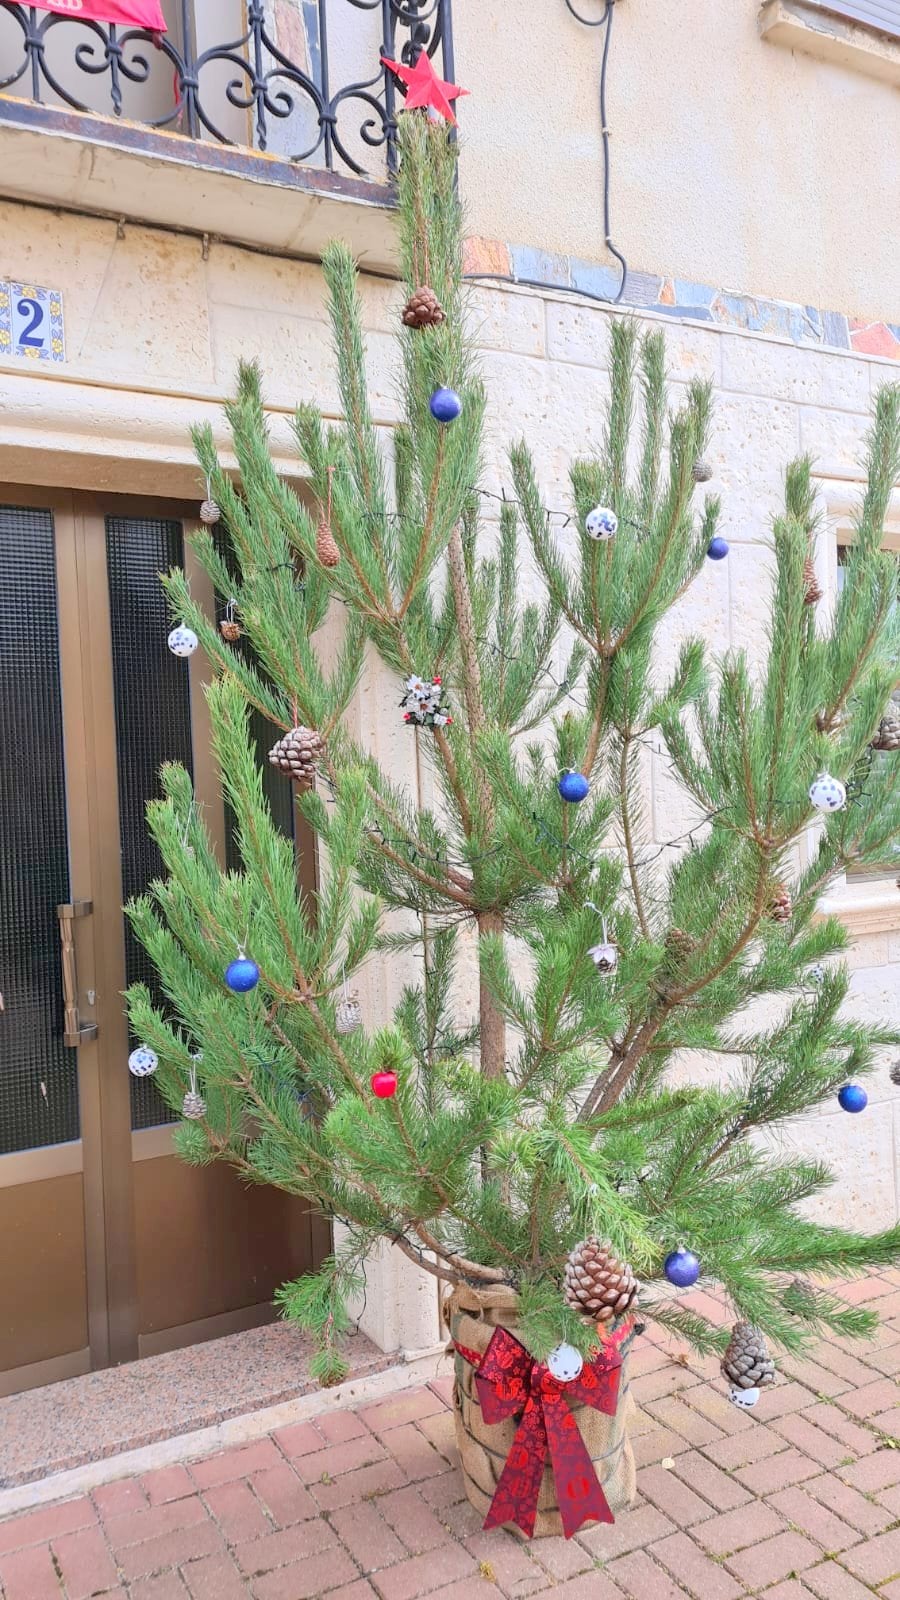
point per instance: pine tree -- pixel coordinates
(549, 1115)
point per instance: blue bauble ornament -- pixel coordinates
(445, 405)
(853, 1097)
(574, 787)
(718, 549)
(242, 975)
(682, 1268)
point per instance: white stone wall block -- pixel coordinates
(782, 371)
(835, 440)
(511, 321)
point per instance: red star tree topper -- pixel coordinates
(425, 88)
(130, 13)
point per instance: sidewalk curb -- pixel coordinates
(411, 1369)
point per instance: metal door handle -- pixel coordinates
(75, 1032)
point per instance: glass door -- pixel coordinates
(115, 1248)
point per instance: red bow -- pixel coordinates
(509, 1380)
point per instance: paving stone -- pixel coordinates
(562, 1558)
(136, 1526)
(360, 1590)
(673, 1497)
(637, 1575)
(290, 1544)
(337, 1459)
(733, 1530)
(870, 1398)
(400, 1409)
(693, 1569)
(415, 1456)
(744, 1448)
(814, 1519)
(86, 1564)
(877, 1560)
(170, 1550)
(300, 1439)
(468, 1589)
(777, 1472)
(412, 1520)
(167, 1483)
(214, 1578)
(721, 1490)
(231, 1464)
(285, 1498)
(440, 1430)
(656, 1445)
(237, 1511)
(114, 1499)
(336, 1427)
(791, 1589)
(48, 1523)
(683, 1420)
(774, 1559)
(813, 1376)
(423, 1574)
(356, 1486)
(718, 1409)
(848, 1504)
(444, 1491)
(320, 1574)
(29, 1574)
(811, 1441)
(873, 1472)
(632, 1530)
(371, 1543)
(665, 1380)
(856, 1439)
(443, 1387)
(591, 1586)
(166, 1586)
(781, 1401)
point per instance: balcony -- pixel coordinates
(207, 126)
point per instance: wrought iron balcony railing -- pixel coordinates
(300, 79)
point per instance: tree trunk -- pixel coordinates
(493, 1026)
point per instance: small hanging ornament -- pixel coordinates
(424, 704)
(895, 1074)
(781, 906)
(384, 1084)
(182, 641)
(747, 1364)
(717, 549)
(888, 735)
(817, 973)
(296, 754)
(327, 552)
(565, 1363)
(605, 957)
(573, 787)
(193, 1106)
(596, 1283)
(423, 309)
(242, 974)
(827, 793)
(143, 1062)
(681, 1267)
(229, 627)
(348, 1012)
(210, 512)
(601, 523)
(853, 1098)
(701, 471)
(445, 405)
(812, 589)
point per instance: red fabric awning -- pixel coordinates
(130, 13)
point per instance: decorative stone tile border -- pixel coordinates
(680, 297)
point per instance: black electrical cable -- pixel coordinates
(567, 288)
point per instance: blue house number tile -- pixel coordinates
(31, 322)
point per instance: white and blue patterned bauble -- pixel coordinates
(565, 1363)
(143, 1062)
(601, 523)
(828, 793)
(183, 641)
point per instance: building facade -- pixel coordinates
(162, 208)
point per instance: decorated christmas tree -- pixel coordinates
(527, 1144)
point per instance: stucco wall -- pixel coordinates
(154, 332)
(736, 162)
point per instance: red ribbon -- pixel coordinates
(509, 1380)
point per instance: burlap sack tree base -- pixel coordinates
(472, 1315)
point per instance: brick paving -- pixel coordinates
(799, 1500)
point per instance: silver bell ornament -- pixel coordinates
(565, 1363)
(143, 1062)
(183, 641)
(827, 793)
(601, 523)
(605, 957)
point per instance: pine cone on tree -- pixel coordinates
(812, 589)
(326, 545)
(781, 906)
(423, 309)
(888, 735)
(210, 513)
(680, 946)
(596, 1283)
(193, 1106)
(230, 629)
(747, 1363)
(800, 1298)
(895, 1074)
(701, 471)
(297, 754)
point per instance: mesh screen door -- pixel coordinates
(38, 1074)
(153, 725)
